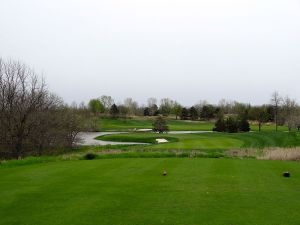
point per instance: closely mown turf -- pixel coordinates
(210, 141)
(121, 124)
(133, 191)
(138, 137)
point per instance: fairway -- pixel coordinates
(209, 141)
(133, 191)
(121, 124)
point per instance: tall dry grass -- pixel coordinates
(290, 154)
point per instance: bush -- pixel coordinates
(160, 125)
(244, 125)
(90, 156)
(232, 125)
(220, 125)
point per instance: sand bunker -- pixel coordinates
(161, 140)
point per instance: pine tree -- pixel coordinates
(184, 114)
(114, 111)
(220, 125)
(193, 113)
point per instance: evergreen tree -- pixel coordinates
(193, 113)
(147, 111)
(114, 111)
(220, 125)
(207, 112)
(184, 114)
(243, 125)
(154, 110)
(231, 125)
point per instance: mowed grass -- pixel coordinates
(133, 191)
(210, 141)
(121, 124)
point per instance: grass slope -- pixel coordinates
(133, 191)
(211, 141)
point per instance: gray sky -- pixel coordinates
(187, 50)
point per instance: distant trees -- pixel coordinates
(177, 108)
(147, 111)
(290, 111)
(280, 111)
(160, 125)
(96, 106)
(184, 114)
(193, 113)
(131, 105)
(208, 112)
(166, 106)
(260, 114)
(32, 119)
(107, 102)
(123, 111)
(153, 108)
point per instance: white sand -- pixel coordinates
(161, 140)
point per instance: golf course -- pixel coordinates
(124, 184)
(149, 112)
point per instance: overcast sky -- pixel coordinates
(186, 50)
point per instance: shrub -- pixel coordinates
(220, 125)
(90, 156)
(232, 125)
(160, 125)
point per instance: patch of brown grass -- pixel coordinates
(243, 153)
(290, 154)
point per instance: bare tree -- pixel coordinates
(131, 106)
(107, 102)
(290, 112)
(177, 109)
(152, 105)
(276, 101)
(166, 106)
(30, 117)
(151, 102)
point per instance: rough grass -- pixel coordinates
(133, 191)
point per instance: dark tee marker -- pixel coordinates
(286, 174)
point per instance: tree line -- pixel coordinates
(280, 110)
